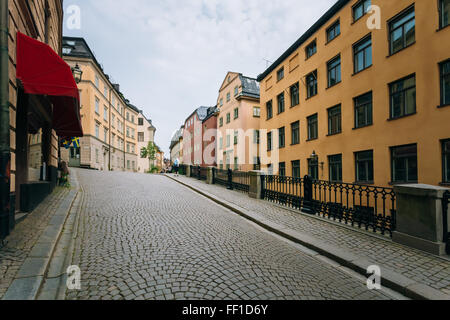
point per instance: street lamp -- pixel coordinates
(315, 157)
(77, 73)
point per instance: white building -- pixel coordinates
(146, 134)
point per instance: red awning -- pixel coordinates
(43, 72)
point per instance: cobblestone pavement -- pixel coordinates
(414, 264)
(148, 237)
(24, 237)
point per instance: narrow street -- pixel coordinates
(148, 237)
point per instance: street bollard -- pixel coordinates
(308, 205)
(230, 179)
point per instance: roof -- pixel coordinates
(250, 87)
(202, 113)
(305, 37)
(212, 111)
(176, 138)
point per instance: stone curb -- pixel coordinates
(390, 279)
(31, 275)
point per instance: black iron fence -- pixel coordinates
(445, 211)
(201, 173)
(233, 180)
(369, 207)
(182, 170)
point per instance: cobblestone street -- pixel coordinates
(163, 241)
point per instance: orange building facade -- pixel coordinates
(238, 123)
(363, 96)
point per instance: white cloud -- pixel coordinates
(171, 56)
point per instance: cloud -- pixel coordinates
(171, 56)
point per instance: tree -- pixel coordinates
(149, 152)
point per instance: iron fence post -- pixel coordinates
(308, 205)
(445, 203)
(230, 179)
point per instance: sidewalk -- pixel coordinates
(414, 273)
(25, 257)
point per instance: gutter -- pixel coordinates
(5, 156)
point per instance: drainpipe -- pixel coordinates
(5, 156)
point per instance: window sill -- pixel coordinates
(442, 28)
(368, 125)
(295, 105)
(333, 39)
(334, 85)
(359, 19)
(309, 140)
(443, 105)
(295, 144)
(444, 184)
(356, 73)
(311, 97)
(333, 134)
(405, 116)
(393, 54)
(364, 183)
(269, 119)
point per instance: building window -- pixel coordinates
(256, 163)
(141, 121)
(113, 121)
(446, 160)
(228, 117)
(334, 120)
(128, 164)
(105, 92)
(236, 163)
(97, 131)
(105, 113)
(269, 141)
(313, 127)
(97, 106)
(236, 91)
(256, 136)
(280, 74)
(362, 54)
(295, 130)
(404, 164)
(221, 102)
(363, 110)
(236, 137)
(360, 9)
(228, 141)
(282, 169)
(311, 49)
(105, 135)
(269, 110)
(295, 95)
(364, 166)
(97, 158)
(236, 113)
(221, 122)
(333, 31)
(282, 137)
(256, 112)
(335, 165)
(228, 97)
(403, 97)
(97, 81)
(444, 10)
(334, 71)
(296, 169)
(311, 84)
(280, 100)
(313, 168)
(402, 31)
(445, 83)
(140, 137)
(221, 143)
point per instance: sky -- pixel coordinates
(171, 56)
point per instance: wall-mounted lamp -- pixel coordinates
(77, 73)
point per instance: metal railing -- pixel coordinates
(201, 173)
(182, 170)
(233, 180)
(369, 207)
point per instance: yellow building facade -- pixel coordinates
(109, 121)
(366, 96)
(238, 123)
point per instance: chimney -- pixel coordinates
(117, 87)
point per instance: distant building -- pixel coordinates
(176, 146)
(238, 123)
(146, 134)
(109, 120)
